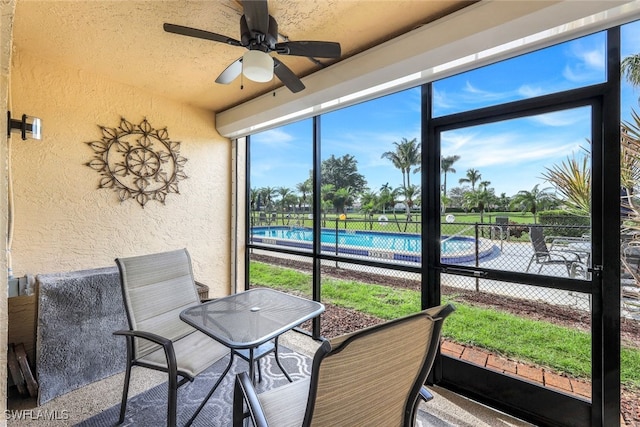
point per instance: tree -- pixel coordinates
(287, 199)
(630, 69)
(572, 179)
(503, 202)
(342, 172)
(409, 193)
(326, 200)
(385, 195)
(342, 197)
(370, 201)
(473, 176)
(456, 195)
(484, 185)
(405, 156)
(254, 197)
(444, 202)
(531, 200)
(446, 166)
(388, 197)
(266, 195)
(304, 188)
(630, 173)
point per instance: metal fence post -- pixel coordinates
(477, 256)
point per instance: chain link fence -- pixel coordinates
(559, 247)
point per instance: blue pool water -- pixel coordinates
(397, 246)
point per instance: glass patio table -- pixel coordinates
(248, 321)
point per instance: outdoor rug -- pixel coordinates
(150, 407)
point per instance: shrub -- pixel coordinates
(566, 224)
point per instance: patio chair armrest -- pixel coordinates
(575, 253)
(145, 335)
(558, 254)
(244, 392)
(167, 346)
(425, 394)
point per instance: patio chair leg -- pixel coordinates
(172, 402)
(125, 392)
(529, 266)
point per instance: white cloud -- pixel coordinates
(594, 59)
(273, 138)
(585, 64)
(484, 94)
(561, 118)
(508, 149)
(527, 91)
(452, 142)
(441, 100)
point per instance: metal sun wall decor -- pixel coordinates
(138, 162)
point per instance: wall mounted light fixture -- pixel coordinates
(30, 127)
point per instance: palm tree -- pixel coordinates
(531, 200)
(630, 68)
(254, 197)
(630, 172)
(446, 166)
(326, 200)
(409, 194)
(405, 156)
(444, 202)
(385, 195)
(472, 177)
(303, 188)
(369, 200)
(572, 179)
(342, 198)
(503, 202)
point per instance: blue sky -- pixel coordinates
(511, 155)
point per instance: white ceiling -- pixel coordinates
(125, 41)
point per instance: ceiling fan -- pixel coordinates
(259, 34)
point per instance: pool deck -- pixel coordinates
(514, 256)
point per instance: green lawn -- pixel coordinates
(559, 348)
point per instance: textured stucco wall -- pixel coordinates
(7, 8)
(64, 222)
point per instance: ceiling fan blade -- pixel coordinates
(287, 77)
(231, 72)
(310, 49)
(200, 34)
(256, 12)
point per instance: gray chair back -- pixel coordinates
(536, 234)
(373, 376)
(155, 289)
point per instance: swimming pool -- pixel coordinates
(391, 246)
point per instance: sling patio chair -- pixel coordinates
(543, 255)
(501, 229)
(371, 377)
(155, 289)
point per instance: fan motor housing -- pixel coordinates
(256, 40)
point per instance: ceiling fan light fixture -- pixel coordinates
(257, 66)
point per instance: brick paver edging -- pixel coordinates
(529, 372)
